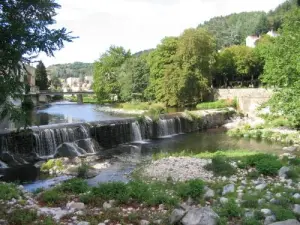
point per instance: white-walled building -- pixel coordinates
(251, 41)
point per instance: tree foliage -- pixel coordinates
(76, 69)
(106, 71)
(25, 32)
(41, 76)
(282, 68)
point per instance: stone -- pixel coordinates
(157, 222)
(57, 213)
(200, 216)
(177, 215)
(75, 205)
(278, 195)
(144, 222)
(68, 150)
(296, 196)
(266, 212)
(296, 209)
(209, 193)
(249, 214)
(261, 186)
(290, 148)
(223, 200)
(106, 205)
(101, 223)
(261, 201)
(83, 223)
(287, 222)
(3, 222)
(229, 188)
(282, 172)
(269, 220)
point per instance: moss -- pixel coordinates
(56, 164)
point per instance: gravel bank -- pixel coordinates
(179, 169)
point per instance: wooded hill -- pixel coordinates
(234, 28)
(76, 69)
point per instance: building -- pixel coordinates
(251, 41)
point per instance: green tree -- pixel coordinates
(158, 60)
(106, 71)
(25, 32)
(134, 78)
(282, 68)
(56, 83)
(41, 76)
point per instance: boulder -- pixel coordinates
(296, 196)
(283, 170)
(106, 205)
(223, 200)
(200, 216)
(177, 215)
(266, 212)
(290, 148)
(229, 188)
(69, 150)
(144, 222)
(209, 193)
(75, 205)
(296, 209)
(269, 220)
(261, 186)
(287, 222)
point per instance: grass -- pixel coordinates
(73, 186)
(235, 154)
(221, 167)
(217, 104)
(22, 217)
(9, 191)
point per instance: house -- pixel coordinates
(272, 33)
(29, 72)
(251, 41)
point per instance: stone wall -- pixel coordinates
(248, 98)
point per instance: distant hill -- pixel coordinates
(76, 69)
(234, 28)
(137, 54)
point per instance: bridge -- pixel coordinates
(38, 96)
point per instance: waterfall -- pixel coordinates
(136, 131)
(166, 127)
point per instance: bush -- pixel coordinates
(46, 221)
(220, 167)
(268, 166)
(217, 104)
(292, 174)
(51, 164)
(9, 191)
(22, 217)
(83, 170)
(75, 185)
(192, 188)
(52, 197)
(282, 213)
(251, 221)
(230, 209)
(113, 190)
(249, 201)
(295, 161)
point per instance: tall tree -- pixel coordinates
(41, 76)
(282, 68)
(25, 32)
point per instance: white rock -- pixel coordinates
(266, 212)
(269, 220)
(229, 188)
(83, 223)
(296, 209)
(282, 172)
(106, 205)
(200, 216)
(101, 223)
(223, 200)
(176, 215)
(261, 186)
(287, 222)
(209, 193)
(144, 222)
(296, 196)
(75, 205)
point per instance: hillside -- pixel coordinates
(76, 69)
(234, 28)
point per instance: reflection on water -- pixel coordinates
(63, 112)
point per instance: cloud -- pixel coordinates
(136, 24)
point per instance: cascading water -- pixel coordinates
(136, 131)
(166, 127)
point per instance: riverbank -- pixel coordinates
(243, 188)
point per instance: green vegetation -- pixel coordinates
(76, 69)
(56, 164)
(220, 166)
(230, 210)
(41, 76)
(83, 169)
(218, 104)
(89, 99)
(15, 55)
(23, 217)
(8, 191)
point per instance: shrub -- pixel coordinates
(8, 191)
(230, 209)
(82, 170)
(220, 166)
(191, 188)
(253, 174)
(22, 217)
(282, 213)
(217, 104)
(113, 190)
(268, 166)
(251, 221)
(249, 201)
(51, 164)
(52, 197)
(295, 161)
(292, 174)
(75, 185)
(46, 221)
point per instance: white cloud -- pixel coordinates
(136, 24)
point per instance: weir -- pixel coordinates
(64, 140)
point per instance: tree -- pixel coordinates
(24, 34)
(134, 78)
(106, 71)
(157, 60)
(56, 83)
(282, 69)
(41, 76)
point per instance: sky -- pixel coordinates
(135, 24)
